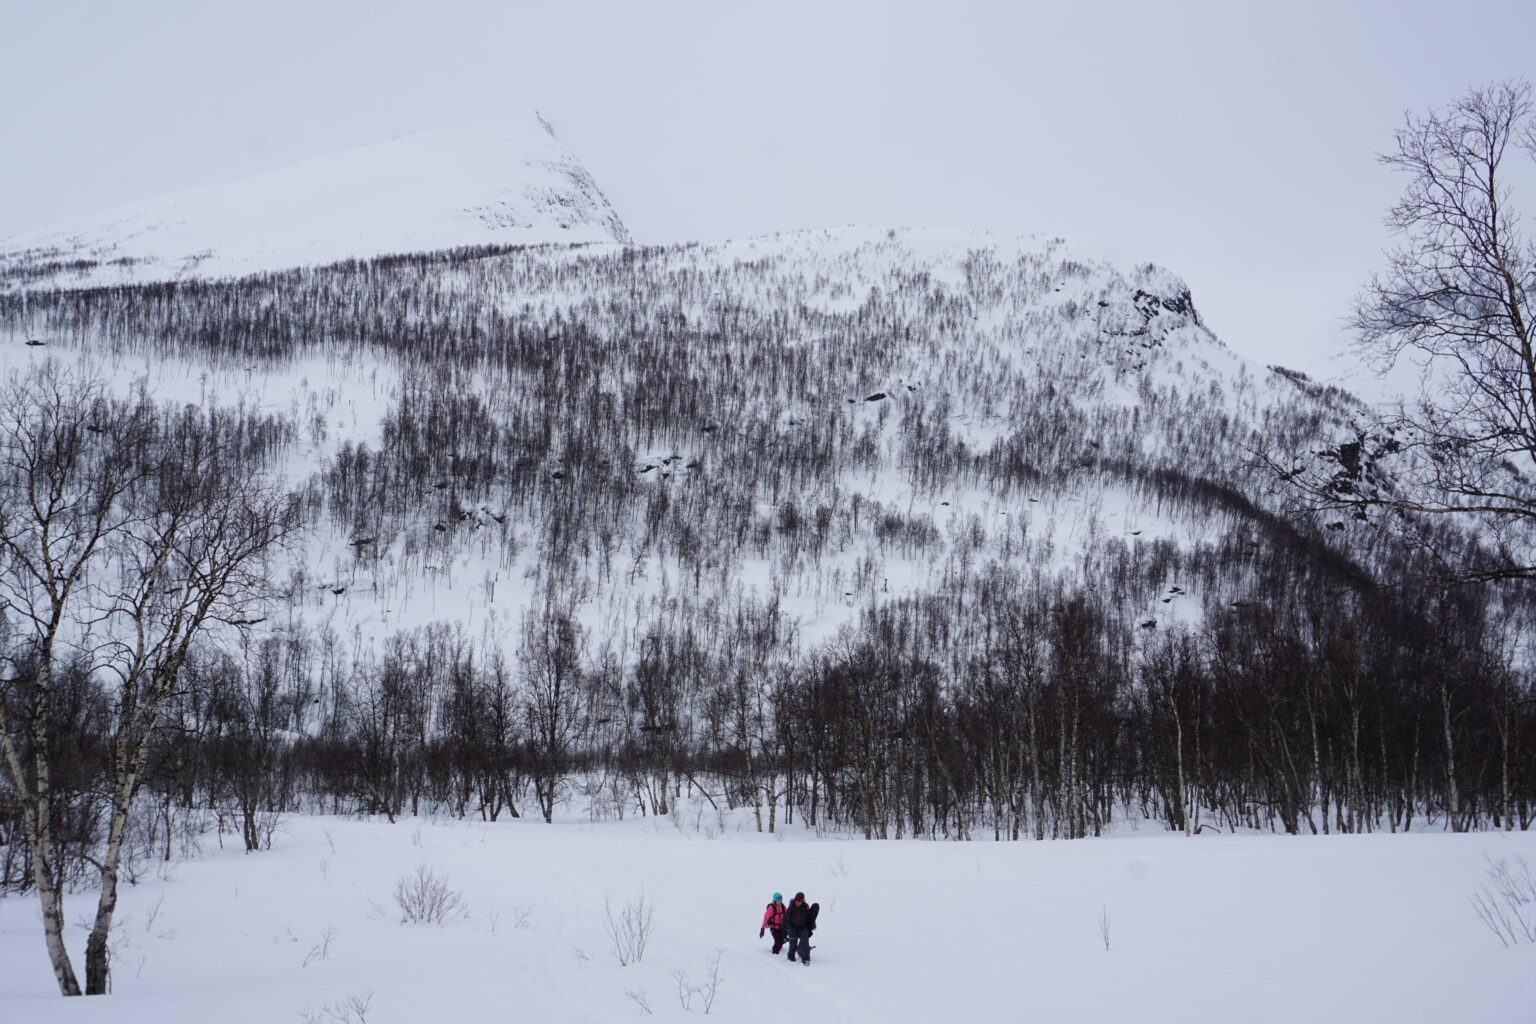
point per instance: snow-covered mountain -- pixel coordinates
(721, 484)
(824, 420)
(508, 182)
(885, 532)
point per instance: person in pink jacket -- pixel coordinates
(773, 921)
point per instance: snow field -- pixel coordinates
(1217, 928)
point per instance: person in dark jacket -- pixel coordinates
(773, 921)
(799, 923)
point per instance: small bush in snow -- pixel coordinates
(321, 950)
(629, 930)
(354, 1009)
(684, 990)
(712, 979)
(707, 991)
(1506, 902)
(424, 897)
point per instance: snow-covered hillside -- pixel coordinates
(508, 182)
(952, 396)
(900, 460)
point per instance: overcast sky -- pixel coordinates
(1233, 143)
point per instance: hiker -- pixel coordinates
(773, 921)
(799, 923)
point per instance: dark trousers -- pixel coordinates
(799, 942)
(778, 939)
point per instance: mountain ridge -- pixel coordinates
(503, 182)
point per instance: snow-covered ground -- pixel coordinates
(1216, 928)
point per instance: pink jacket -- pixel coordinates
(773, 917)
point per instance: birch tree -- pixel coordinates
(188, 563)
(66, 470)
(127, 535)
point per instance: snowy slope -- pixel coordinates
(1016, 345)
(507, 182)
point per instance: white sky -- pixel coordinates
(1231, 142)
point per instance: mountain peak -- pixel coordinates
(503, 182)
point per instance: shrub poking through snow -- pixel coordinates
(706, 991)
(1506, 902)
(424, 897)
(629, 930)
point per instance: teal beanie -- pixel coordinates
(778, 897)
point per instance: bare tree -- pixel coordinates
(65, 472)
(1455, 302)
(126, 537)
(189, 563)
(550, 656)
